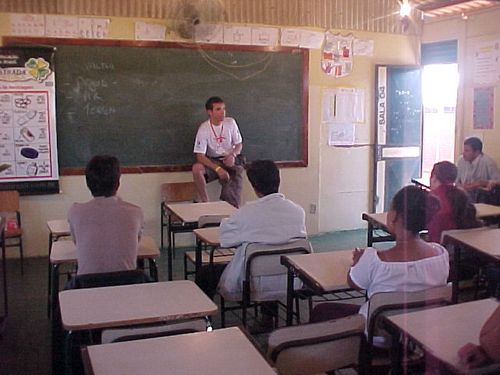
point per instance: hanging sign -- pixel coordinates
(336, 59)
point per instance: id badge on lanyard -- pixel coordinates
(219, 139)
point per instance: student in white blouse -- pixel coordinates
(410, 265)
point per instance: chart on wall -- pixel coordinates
(28, 148)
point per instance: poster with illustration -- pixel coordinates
(336, 57)
(28, 148)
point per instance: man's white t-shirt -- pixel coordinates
(217, 141)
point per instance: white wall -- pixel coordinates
(337, 180)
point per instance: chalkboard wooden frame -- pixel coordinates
(303, 162)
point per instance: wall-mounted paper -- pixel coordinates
(149, 31)
(341, 134)
(487, 63)
(61, 27)
(93, 28)
(27, 24)
(209, 33)
(363, 47)
(241, 35)
(311, 39)
(484, 101)
(290, 37)
(344, 105)
(265, 36)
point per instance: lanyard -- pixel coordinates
(220, 138)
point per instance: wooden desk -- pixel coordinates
(487, 212)
(57, 230)
(483, 242)
(321, 272)
(207, 237)
(442, 331)
(376, 221)
(223, 351)
(118, 306)
(189, 213)
(64, 252)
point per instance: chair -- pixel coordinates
(392, 303)
(9, 209)
(174, 192)
(262, 262)
(318, 347)
(222, 256)
(98, 280)
(319, 344)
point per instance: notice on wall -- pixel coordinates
(28, 148)
(484, 100)
(487, 63)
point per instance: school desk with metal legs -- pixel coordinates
(136, 304)
(57, 229)
(223, 351)
(321, 273)
(440, 332)
(64, 252)
(482, 242)
(378, 221)
(189, 214)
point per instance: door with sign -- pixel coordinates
(398, 144)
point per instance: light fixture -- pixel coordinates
(405, 9)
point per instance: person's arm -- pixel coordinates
(357, 276)
(489, 338)
(221, 172)
(489, 344)
(230, 157)
(475, 185)
(230, 232)
(70, 221)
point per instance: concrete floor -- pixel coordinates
(25, 346)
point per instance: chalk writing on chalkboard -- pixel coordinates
(144, 101)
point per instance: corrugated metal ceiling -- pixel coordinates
(364, 15)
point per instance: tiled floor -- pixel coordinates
(25, 340)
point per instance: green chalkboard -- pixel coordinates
(143, 101)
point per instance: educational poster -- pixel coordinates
(28, 149)
(483, 108)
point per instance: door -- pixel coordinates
(398, 145)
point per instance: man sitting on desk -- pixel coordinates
(217, 147)
(475, 169)
(271, 219)
(106, 230)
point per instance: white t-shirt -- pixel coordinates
(217, 141)
(375, 275)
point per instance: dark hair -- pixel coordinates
(464, 212)
(103, 175)
(264, 176)
(474, 143)
(445, 172)
(414, 206)
(209, 104)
